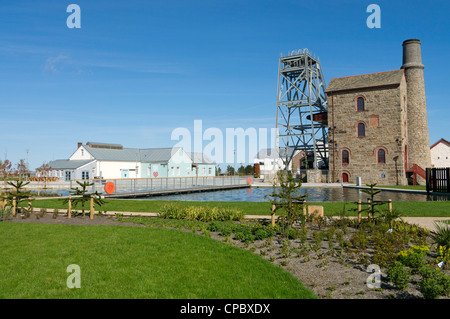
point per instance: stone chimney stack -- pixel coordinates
(418, 136)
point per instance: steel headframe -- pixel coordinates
(301, 108)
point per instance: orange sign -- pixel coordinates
(110, 187)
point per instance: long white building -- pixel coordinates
(113, 161)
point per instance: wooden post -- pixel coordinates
(359, 211)
(390, 205)
(92, 207)
(30, 208)
(273, 214)
(14, 207)
(304, 208)
(69, 211)
(368, 208)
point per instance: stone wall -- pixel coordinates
(418, 136)
(384, 118)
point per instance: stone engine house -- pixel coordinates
(378, 127)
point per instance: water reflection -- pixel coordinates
(319, 194)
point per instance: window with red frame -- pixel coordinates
(361, 130)
(360, 104)
(381, 156)
(345, 157)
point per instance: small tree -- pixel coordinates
(44, 171)
(18, 193)
(81, 196)
(230, 170)
(21, 169)
(288, 199)
(5, 170)
(372, 194)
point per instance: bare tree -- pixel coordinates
(44, 171)
(21, 169)
(5, 170)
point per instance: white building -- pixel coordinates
(270, 163)
(440, 153)
(113, 161)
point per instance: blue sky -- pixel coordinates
(138, 69)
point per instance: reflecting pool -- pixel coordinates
(318, 194)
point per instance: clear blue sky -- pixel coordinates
(138, 69)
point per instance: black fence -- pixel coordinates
(438, 180)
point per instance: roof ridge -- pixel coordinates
(351, 76)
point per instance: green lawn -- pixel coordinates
(410, 209)
(133, 262)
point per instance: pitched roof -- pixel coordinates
(68, 164)
(149, 155)
(200, 158)
(382, 79)
(440, 141)
(273, 153)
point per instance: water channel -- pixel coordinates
(317, 194)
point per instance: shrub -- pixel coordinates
(441, 237)
(5, 213)
(434, 283)
(214, 226)
(200, 213)
(359, 240)
(263, 233)
(244, 236)
(399, 275)
(414, 257)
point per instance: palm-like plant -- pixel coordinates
(81, 196)
(371, 192)
(441, 236)
(18, 193)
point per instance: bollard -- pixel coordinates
(390, 205)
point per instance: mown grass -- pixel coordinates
(133, 262)
(407, 209)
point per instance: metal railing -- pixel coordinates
(148, 185)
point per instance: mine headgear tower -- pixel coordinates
(301, 108)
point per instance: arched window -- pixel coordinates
(381, 154)
(360, 104)
(345, 157)
(361, 130)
